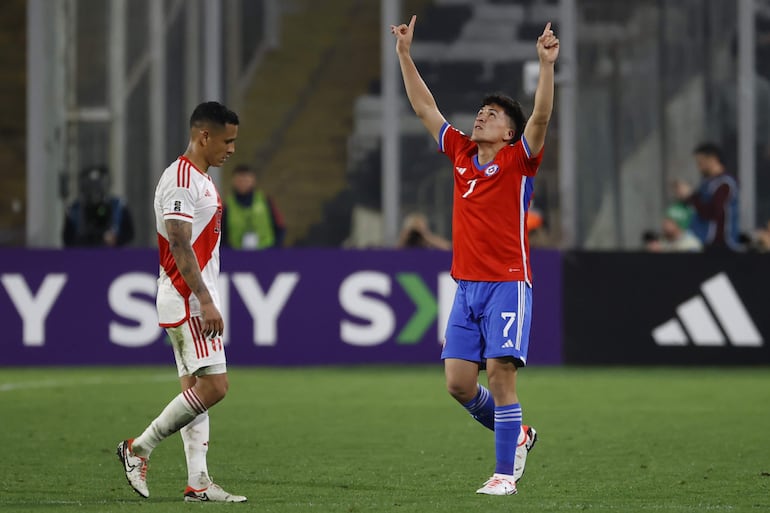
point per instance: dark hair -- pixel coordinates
(649, 236)
(512, 109)
(213, 112)
(244, 169)
(710, 149)
(94, 184)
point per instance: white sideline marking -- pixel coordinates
(102, 380)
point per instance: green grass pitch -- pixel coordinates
(389, 439)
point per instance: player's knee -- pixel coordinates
(220, 388)
(462, 392)
(214, 389)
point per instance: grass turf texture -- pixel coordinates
(376, 439)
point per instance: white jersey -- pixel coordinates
(186, 194)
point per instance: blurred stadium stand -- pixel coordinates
(308, 95)
(298, 137)
(464, 50)
(13, 122)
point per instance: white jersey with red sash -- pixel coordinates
(185, 193)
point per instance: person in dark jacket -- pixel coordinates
(96, 218)
(715, 201)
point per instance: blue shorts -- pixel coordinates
(489, 320)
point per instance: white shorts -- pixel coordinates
(195, 354)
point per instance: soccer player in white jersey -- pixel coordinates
(188, 213)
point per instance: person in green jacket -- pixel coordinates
(250, 218)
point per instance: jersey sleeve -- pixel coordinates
(529, 163)
(451, 141)
(178, 203)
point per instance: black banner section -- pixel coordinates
(666, 309)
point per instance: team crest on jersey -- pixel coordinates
(177, 206)
(494, 168)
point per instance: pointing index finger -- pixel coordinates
(547, 28)
(411, 22)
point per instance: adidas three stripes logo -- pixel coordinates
(717, 317)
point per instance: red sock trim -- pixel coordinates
(194, 401)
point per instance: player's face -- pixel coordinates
(220, 144)
(492, 125)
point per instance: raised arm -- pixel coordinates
(418, 93)
(547, 52)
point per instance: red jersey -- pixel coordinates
(491, 201)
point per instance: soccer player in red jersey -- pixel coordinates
(489, 323)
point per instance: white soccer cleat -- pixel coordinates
(213, 493)
(135, 468)
(498, 484)
(527, 437)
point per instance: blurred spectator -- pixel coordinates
(415, 233)
(726, 129)
(536, 228)
(715, 201)
(675, 235)
(250, 218)
(651, 240)
(534, 219)
(96, 218)
(761, 239)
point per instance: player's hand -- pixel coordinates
(404, 34)
(213, 324)
(547, 45)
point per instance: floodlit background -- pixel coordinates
(324, 117)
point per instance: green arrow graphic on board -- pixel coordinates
(427, 308)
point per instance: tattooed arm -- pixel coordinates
(179, 237)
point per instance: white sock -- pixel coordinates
(177, 414)
(195, 437)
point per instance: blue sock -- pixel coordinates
(482, 408)
(507, 428)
